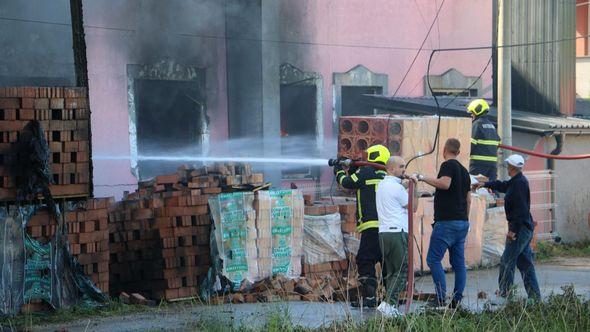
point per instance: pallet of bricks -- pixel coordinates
(160, 234)
(336, 276)
(63, 114)
(88, 235)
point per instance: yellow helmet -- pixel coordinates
(378, 154)
(478, 107)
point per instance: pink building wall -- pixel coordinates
(123, 33)
(324, 36)
(384, 37)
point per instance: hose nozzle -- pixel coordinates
(340, 161)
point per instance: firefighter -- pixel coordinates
(484, 141)
(365, 180)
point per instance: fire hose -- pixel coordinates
(411, 188)
(545, 155)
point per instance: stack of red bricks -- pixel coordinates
(336, 269)
(63, 114)
(88, 235)
(160, 234)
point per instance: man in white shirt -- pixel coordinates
(392, 210)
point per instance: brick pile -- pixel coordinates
(334, 269)
(280, 288)
(63, 114)
(160, 234)
(88, 236)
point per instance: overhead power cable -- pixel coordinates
(419, 49)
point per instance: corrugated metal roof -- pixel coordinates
(525, 121)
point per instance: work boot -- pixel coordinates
(367, 296)
(370, 296)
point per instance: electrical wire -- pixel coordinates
(419, 49)
(193, 35)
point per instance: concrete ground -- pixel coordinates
(552, 275)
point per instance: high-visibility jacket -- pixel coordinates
(365, 180)
(484, 143)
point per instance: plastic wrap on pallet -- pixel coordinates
(351, 244)
(235, 229)
(494, 236)
(34, 271)
(279, 223)
(323, 241)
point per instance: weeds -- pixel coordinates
(113, 308)
(559, 312)
(548, 250)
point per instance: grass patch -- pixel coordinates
(548, 249)
(112, 308)
(559, 312)
(563, 312)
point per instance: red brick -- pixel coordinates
(41, 103)
(214, 190)
(13, 103)
(27, 114)
(12, 126)
(56, 103)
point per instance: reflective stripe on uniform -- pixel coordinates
(484, 142)
(358, 203)
(484, 158)
(372, 181)
(367, 224)
(354, 178)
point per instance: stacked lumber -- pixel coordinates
(280, 288)
(160, 234)
(88, 236)
(64, 116)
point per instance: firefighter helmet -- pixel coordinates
(478, 107)
(378, 154)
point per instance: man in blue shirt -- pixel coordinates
(517, 252)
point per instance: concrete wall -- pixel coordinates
(573, 193)
(134, 32)
(36, 43)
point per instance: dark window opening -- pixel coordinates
(353, 102)
(167, 120)
(298, 121)
(455, 92)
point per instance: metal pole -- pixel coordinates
(504, 84)
(410, 284)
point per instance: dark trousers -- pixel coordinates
(517, 253)
(394, 248)
(368, 255)
(489, 171)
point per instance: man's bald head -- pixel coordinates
(396, 166)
